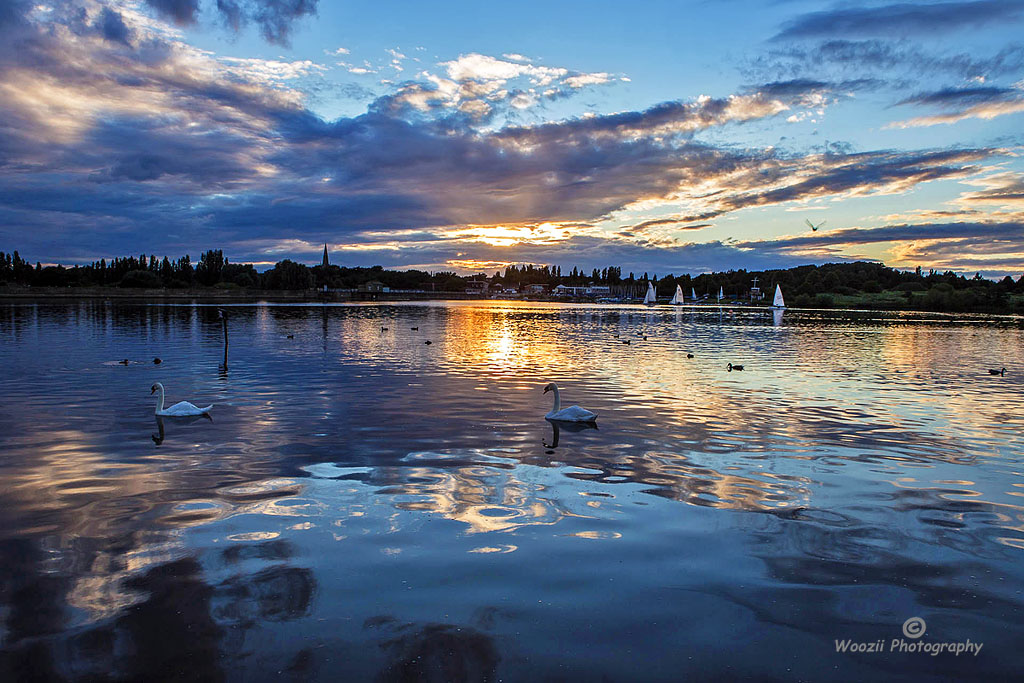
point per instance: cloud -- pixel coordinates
(480, 86)
(902, 19)
(986, 102)
(100, 144)
(270, 71)
(677, 223)
(274, 17)
(883, 61)
(985, 111)
(960, 96)
(583, 80)
(113, 28)
(980, 231)
(181, 12)
(777, 181)
(584, 251)
(994, 247)
(1001, 189)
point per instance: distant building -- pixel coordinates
(476, 287)
(373, 286)
(325, 261)
(582, 291)
(536, 289)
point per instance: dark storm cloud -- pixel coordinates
(113, 28)
(838, 174)
(796, 87)
(992, 248)
(13, 12)
(136, 149)
(974, 231)
(580, 167)
(181, 12)
(318, 218)
(890, 61)
(232, 13)
(960, 97)
(902, 19)
(274, 17)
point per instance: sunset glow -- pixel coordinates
(175, 127)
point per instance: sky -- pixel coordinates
(662, 137)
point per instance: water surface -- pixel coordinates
(365, 505)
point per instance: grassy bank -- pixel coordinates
(934, 300)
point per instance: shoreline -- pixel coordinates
(215, 295)
(10, 294)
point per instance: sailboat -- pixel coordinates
(651, 297)
(677, 298)
(721, 294)
(779, 302)
(693, 294)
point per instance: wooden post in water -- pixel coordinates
(224, 324)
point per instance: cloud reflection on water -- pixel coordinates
(865, 449)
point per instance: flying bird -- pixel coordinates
(813, 226)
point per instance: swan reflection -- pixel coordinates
(558, 425)
(159, 437)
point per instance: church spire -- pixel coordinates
(325, 263)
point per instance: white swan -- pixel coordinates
(570, 414)
(180, 409)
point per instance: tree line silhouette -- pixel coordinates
(824, 286)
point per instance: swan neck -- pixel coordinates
(159, 399)
(558, 401)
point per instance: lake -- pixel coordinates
(364, 505)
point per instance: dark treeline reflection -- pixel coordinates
(366, 506)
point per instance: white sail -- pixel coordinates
(651, 297)
(779, 302)
(677, 298)
(721, 294)
(693, 294)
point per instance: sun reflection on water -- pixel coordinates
(348, 464)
